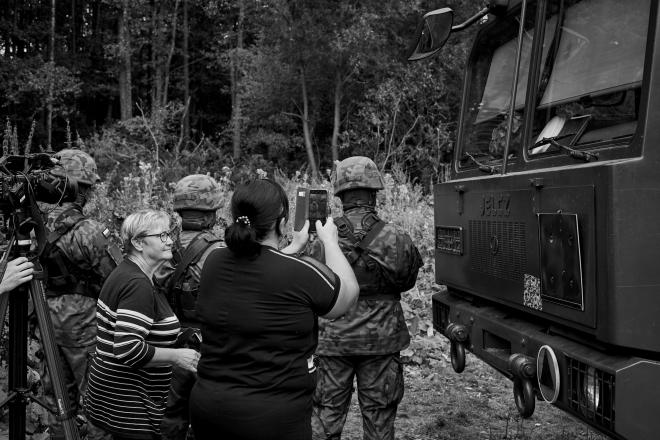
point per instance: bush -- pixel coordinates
(401, 202)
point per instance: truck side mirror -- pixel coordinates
(435, 27)
(432, 33)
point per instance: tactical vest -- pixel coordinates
(368, 272)
(64, 277)
(182, 290)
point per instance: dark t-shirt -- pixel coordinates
(259, 324)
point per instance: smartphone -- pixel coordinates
(317, 207)
(312, 205)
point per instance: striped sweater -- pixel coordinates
(123, 396)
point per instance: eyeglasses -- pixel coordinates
(163, 236)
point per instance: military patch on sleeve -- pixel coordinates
(106, 232)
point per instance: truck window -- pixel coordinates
(590, 84)
(490, 78)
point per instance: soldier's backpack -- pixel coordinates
(181, 290)
(369, 273)
(64, 277)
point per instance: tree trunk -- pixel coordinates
(336, 124)
(74, 28)
(7, 36)
(236, 110)
(125, 95)
(186, 74)
(307, 133)
(96, 38)
(19, 45)
(168, 62)
(51, 86)
(156, 42)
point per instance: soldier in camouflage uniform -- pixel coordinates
(196, 198)
(78, 257)
(366, 341)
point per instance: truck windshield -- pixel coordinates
(591, 68)
(590, 88)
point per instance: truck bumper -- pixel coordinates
(616, 394)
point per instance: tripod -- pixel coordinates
(19, 394)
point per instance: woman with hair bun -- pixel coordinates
(258, 307)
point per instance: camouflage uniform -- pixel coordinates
(89, 257)
(197, 195)
(365, 342)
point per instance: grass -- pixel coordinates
(477, 404)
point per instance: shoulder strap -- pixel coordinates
(345, 228)
(373, 226)
(61, 227)
(190, 255)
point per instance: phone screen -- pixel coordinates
(317, 207)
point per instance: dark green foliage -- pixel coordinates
(361, 97)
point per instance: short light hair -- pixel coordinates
(140, 224)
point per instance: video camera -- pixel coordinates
(24, 181)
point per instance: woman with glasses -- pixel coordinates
(136, 332)
(258, 308)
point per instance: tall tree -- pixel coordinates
(295, 34)
(125, 65)
(235, 78)
(51, 79)
(164, 22)
(354, 45)
(186, 74)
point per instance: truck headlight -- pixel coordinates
(590, 389)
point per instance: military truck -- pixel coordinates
(547, 234)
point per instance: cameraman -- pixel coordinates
(15, 273)
(78, 257)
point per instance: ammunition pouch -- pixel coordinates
(185, 298)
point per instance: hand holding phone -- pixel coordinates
(312, 205)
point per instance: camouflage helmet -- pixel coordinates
(76, 164)
(357, 172)
(197, 191)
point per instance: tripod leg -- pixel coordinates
(4, 302)
(18, 333)
(63, 409)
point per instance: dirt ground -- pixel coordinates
(477, 404)
(438, 404)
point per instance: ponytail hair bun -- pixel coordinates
(257, 208)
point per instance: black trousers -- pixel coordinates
(217, 416)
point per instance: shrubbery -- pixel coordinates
(401, 202)
(133, 182)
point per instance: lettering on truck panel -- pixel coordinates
(496, 205)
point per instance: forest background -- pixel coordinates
(195, 85)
